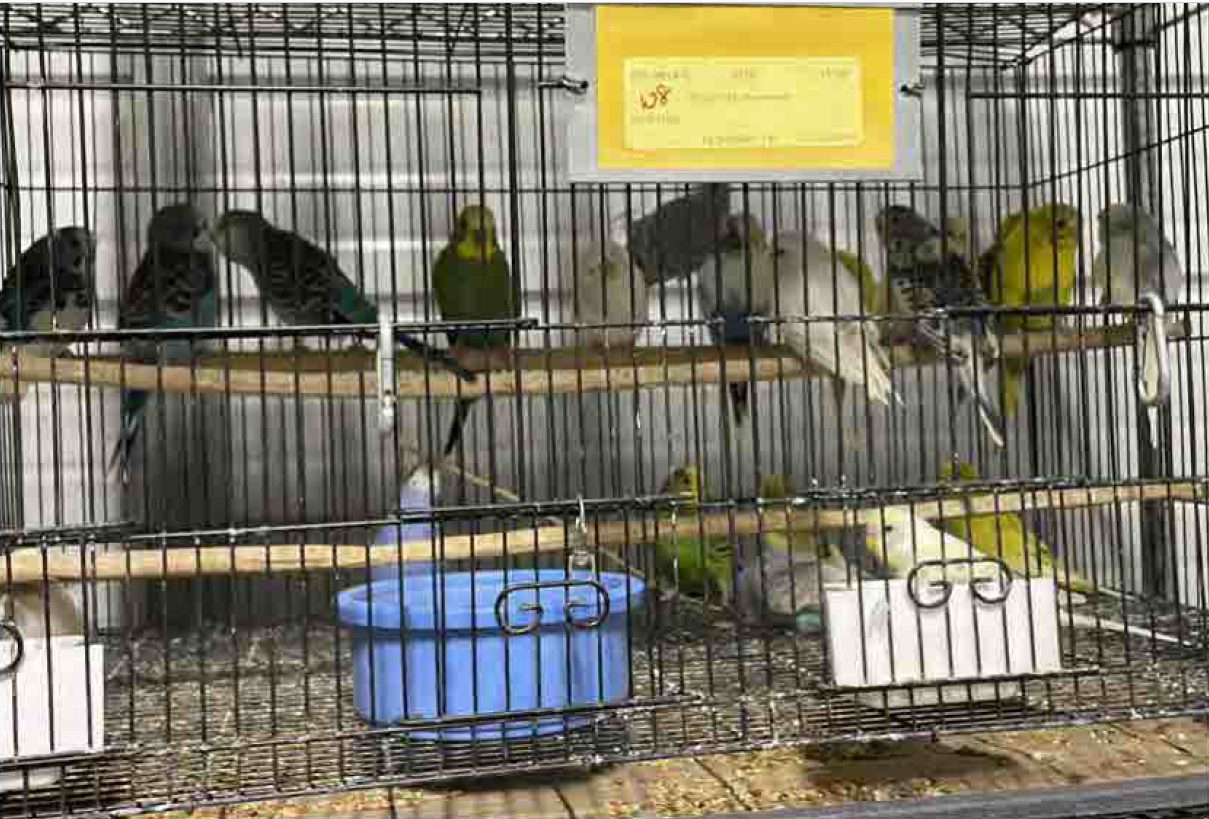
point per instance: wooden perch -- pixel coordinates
(352, 373)
(189, 561)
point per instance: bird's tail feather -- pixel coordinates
(430, 353)
(133, 402)
(460, 414)
(1085, 621)
(970, 384)
(738, 401)
(869, 370)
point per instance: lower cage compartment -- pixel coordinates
(270, 713)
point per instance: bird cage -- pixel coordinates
(345, 441)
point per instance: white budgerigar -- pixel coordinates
(849, 348)
(43, 611)
(1136, 260)
(901, 541)
(606, 288)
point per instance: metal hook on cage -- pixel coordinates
(576, 85)
(9, 627)
(581, 561)
(386, 376)
(1156, 334)
(946, 587)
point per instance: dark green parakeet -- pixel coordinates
(473, 283)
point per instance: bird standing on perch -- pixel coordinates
(1031, 264)
(49, 288)
(679, 236)
(608, 290)
(922, 281)
(302, 283)
(472, 283)
(173, 288)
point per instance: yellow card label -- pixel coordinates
(728, 103)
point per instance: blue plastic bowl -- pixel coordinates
(437, 650)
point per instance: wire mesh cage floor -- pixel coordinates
(263, 437)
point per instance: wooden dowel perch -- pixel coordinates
(27, 565)
(352, 373)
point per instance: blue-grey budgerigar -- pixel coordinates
(1135, 260)
(677, 237)
(921, 281)
(302, 283)
(49, 288)
(173, 288)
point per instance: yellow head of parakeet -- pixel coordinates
(683, 481)
(474, 233)
(963, 469)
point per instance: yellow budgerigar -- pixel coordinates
(1004, 536)
(1031, 264)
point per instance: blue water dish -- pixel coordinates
(427, 646)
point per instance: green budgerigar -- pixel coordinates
(696, 567)
(473, 283)
(1031, 264)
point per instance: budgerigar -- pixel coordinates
(921, 280)
(420, 490)
(1135, 259)
(302, 283)
(473, 283)
(734, 285)
(849, 349)
(677, 237)
(1049, 237)
(700, 568)
(780, 586)
(608, 290)
(172, 289)
(41, 611)
(902, 541)
(50, 287)
(1004, 536)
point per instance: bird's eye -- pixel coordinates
(887, 529)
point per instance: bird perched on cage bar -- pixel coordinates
(1031, 264)
(608, 290)
(472, 282)
(696, 566)
(1003, 535)
(173, 288)
(677, 237)
(302, 283)
(849, 348)
(1136, 260)
(922, 281)
(49, 288)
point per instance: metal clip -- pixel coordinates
(501, 616)
(581, 562)
(576, 86)
(386, 376)
(9, 627)
(946, 588)
(1156, 334)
